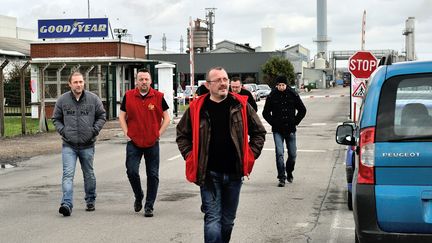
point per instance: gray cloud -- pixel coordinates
(241, 20)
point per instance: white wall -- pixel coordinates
(8, 26)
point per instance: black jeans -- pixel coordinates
(133, 161)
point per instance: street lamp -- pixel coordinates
(120, 33)
(148, 38)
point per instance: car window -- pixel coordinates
(405, 108)
(250, 87)
(263, 87)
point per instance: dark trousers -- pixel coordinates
(133, 161)
(220, 198)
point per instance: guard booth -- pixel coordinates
(105, 73)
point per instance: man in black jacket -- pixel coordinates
(284, 110)
(237, 87)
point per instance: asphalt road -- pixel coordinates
(311, 209)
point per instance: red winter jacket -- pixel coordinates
(193, 135)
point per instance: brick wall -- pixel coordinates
(86, 49)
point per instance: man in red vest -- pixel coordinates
(212, 136)
(144, 118)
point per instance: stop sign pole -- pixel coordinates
(361, 65)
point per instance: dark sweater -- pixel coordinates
(222, 152)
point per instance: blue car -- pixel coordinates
(349, 168)
(392, 180)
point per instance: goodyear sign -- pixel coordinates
(72, 28)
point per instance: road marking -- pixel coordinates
(322, 96)
(318, 124)
(344, 228)
(333, 228)
(175, 157)
(301, 150)
(302, 225)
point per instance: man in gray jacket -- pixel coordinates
(78, 118)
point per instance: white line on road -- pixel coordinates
(175, 157)
(301, 150)
(345, 228)
(319, 124)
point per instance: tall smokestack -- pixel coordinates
(409, 39)
(322, 38)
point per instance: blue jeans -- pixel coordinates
(290, 141)
(69, 157)
(220, 198)
(133, 161)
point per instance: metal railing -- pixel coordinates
(16, 110)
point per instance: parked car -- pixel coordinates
(349, 167)
(188, 94)
(253, 88)
(263, 90)
(392, 182)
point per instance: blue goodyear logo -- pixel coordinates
(72, 28)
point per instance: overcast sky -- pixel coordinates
(241, 20)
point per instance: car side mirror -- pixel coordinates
(345, 135)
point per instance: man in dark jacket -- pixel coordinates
(213, 138)
(78, 117)
(237, 87)
(284, 110)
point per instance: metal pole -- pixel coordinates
(148, 49)
(119, 50)
(2, 126)
(23, 106)
(42, 117)
(88, 8)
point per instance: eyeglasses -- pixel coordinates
(220, 80)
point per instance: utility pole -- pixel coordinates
(2, 127)
(43, 127)
(363, 31)
(148, 38)
(22, 88)
(88, 8)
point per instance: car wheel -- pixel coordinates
(349, 201)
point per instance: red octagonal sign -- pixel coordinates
(362, 64)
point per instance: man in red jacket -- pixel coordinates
(144, 118)
(213, 138)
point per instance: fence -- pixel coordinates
(16, 110)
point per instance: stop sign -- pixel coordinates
(362, 64)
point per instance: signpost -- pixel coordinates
(361, 65)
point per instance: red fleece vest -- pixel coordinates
(192, 159)
(144, 117)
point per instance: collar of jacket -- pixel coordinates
(80, 98)
(149, 94)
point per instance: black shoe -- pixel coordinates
(90, 207)
(290, 178)
(281, 183)
(65, 210)
(138, 205)
(148, 212)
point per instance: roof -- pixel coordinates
(14, 47)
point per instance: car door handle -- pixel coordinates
(426, 195)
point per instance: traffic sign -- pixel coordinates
(360, 90)
(362, 64)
